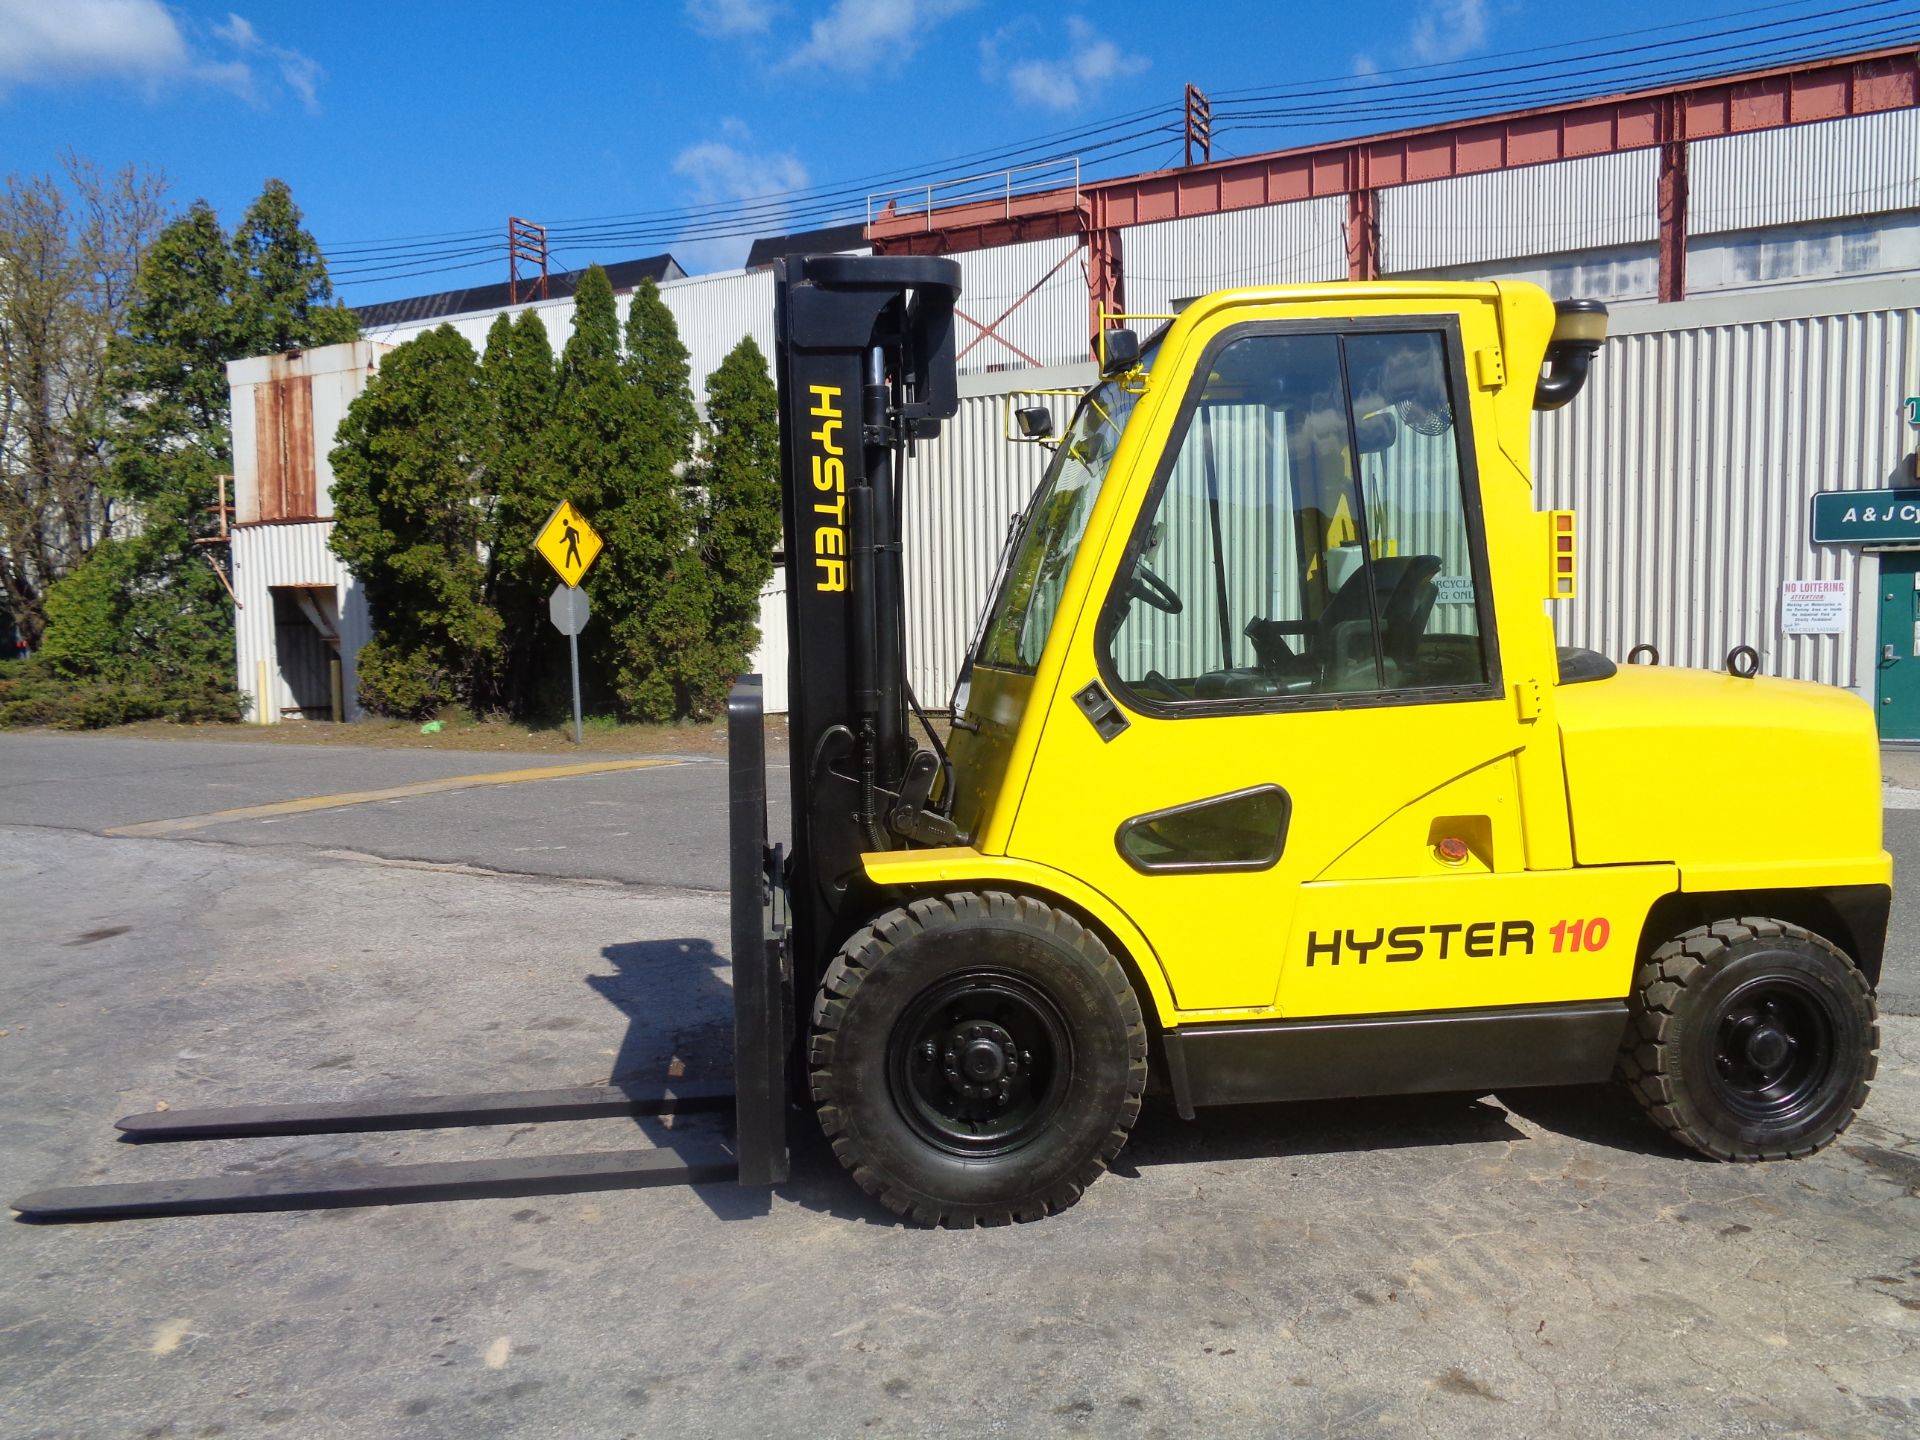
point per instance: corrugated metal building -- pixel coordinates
(301, 618)
(1708, 425)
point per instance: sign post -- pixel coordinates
(569, 544)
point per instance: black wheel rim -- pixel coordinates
(1773, 1051)
(980, 1063)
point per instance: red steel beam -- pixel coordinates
(1827, 89)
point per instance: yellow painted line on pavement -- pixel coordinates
(308, 803)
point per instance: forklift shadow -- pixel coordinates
(1599, 1115)
(1604, 1115)
(679, 1014)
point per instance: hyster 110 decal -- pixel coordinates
(1479, 940)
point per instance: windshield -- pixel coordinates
(1031, 580)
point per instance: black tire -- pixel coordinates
(1750, 1039)
(976, 1058)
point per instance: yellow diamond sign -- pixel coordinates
(569, 543)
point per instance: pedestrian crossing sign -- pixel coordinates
(569, 543)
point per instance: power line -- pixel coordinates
(1321, 117)
(1842, 37)
(1486, 61)
(1442, 90)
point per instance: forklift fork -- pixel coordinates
(756, 1153)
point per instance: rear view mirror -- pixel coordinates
(1035, 422)
(1119, 352)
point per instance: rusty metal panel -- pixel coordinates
(1692, 456)
(1585, 204)
(1178, 260)
(286, 410)
(1864, 165)
(283, 447)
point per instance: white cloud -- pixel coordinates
(1447, 30)
(731, 17)
(53, 42)
(857, 34)
(1090, 61)
(300, 73)
(84, 38)
(729, 169)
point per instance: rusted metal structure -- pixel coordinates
(1667, 119)
(526, 245)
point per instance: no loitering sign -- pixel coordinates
(1814, 607)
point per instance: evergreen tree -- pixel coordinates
(616, 450)
(407, 471)
(282, 298)
(517, 385)
(739, 482)
(148, 608)
(664, 646)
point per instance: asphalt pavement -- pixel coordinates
(663, 825)
(1522, 1264)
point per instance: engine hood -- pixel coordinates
(1738, 782)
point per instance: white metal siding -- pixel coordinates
(1586, 204)
(1175, 260)
(714, 312)
(268, 555)
(1047, 325)
(769, 660)
(1691, 457)
(1858, 166)
(961, 494)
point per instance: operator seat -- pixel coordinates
(1341, 637)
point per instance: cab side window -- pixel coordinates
(1311, 535)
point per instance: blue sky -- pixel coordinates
(416, 117)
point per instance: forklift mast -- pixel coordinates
(865, 366)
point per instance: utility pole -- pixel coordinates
(526, 242)
(1199, 125)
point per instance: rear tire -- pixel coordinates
(977, 1058)
(1750, 1039)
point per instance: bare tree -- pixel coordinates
(69, 249)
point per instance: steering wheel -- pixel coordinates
(1147, 586)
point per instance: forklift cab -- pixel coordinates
(1253, 638)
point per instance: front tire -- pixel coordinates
(1750, 1039)
(976, 1058)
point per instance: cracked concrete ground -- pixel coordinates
(1521, 1264)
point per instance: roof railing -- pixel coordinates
(1002, 185)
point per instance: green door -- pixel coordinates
(1897, 688)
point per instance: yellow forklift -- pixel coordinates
(1266, 775)
(1265, 779)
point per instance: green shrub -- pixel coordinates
(406, 684)
(32, 692)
